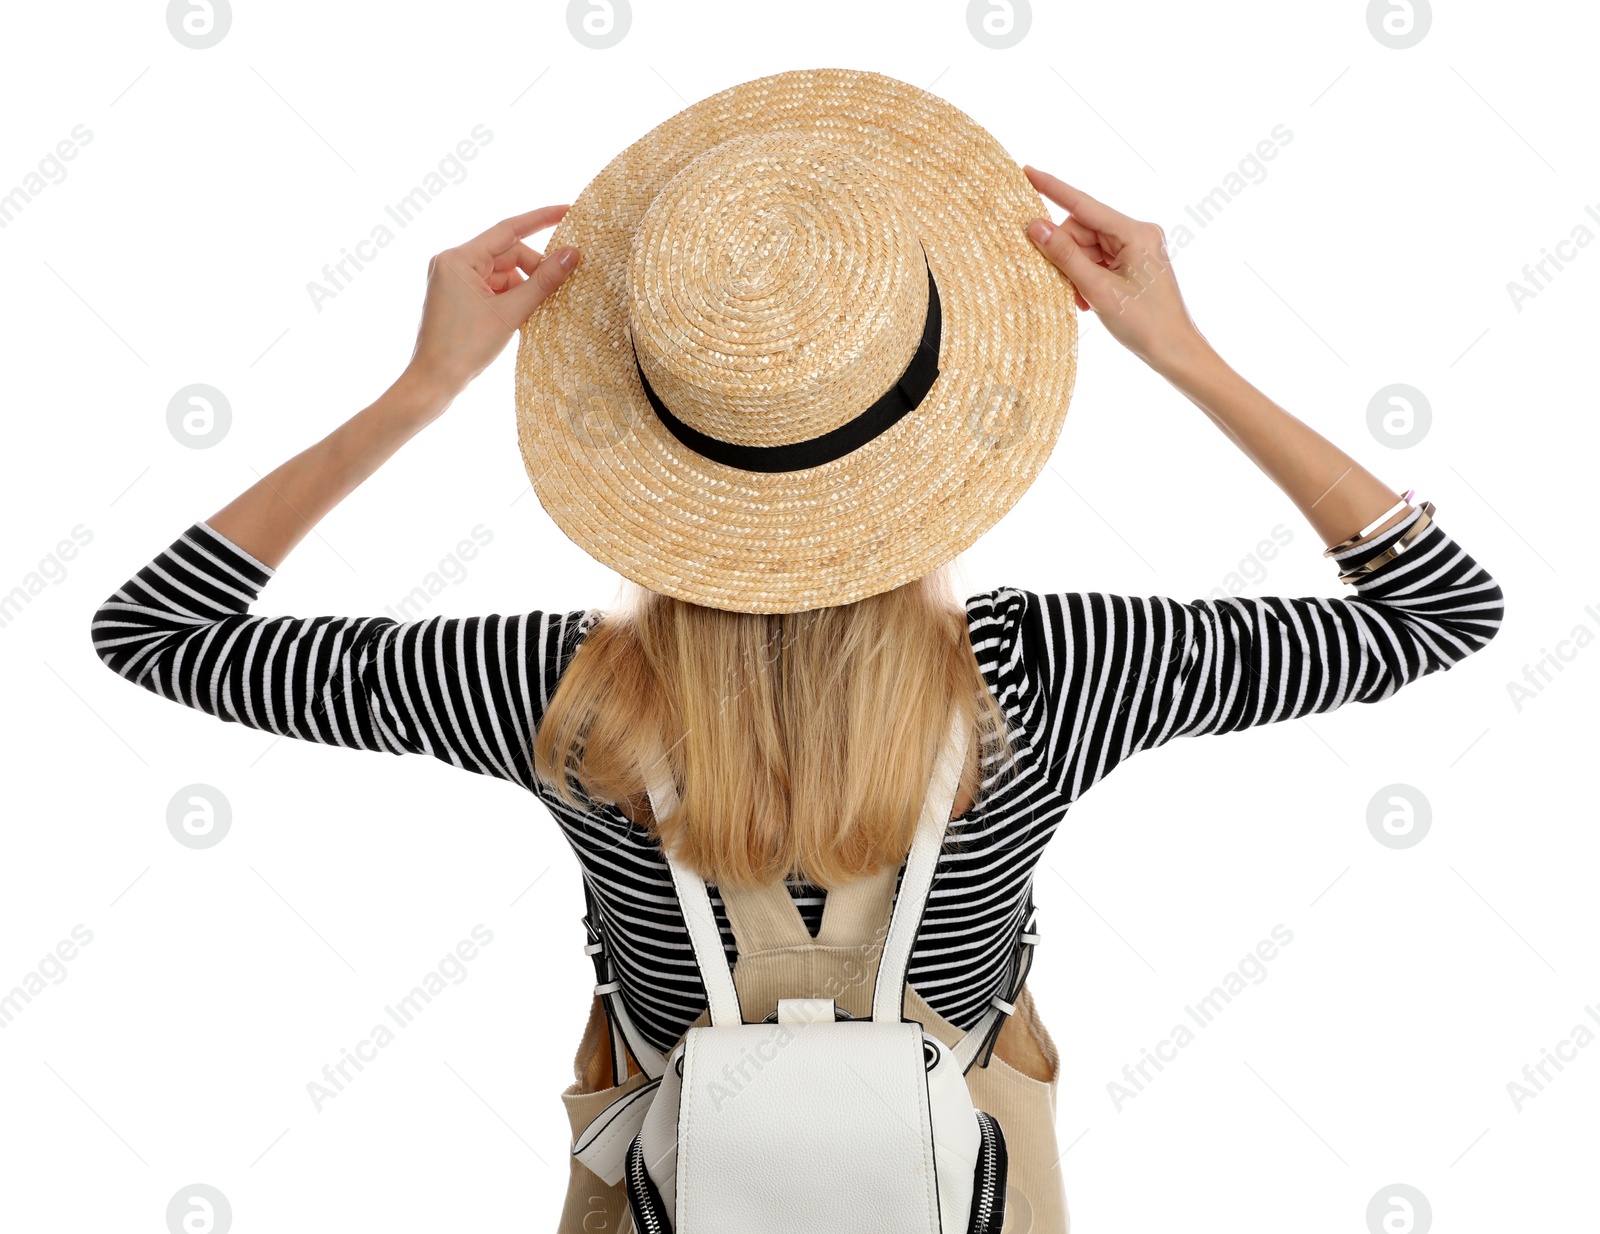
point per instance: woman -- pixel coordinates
(765, 697)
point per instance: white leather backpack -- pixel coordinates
(809, 1120)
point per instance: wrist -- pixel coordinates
(419, 397)
(1187, 363)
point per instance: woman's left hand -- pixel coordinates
(479, 294)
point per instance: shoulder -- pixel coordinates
(1001, 624)
(1036, 640)
(567, 632)
(540, 643)
(995, 618)
(1043, 622)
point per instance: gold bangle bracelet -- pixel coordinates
(1406, 540)
(1373, 529)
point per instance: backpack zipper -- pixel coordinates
(649, 1210)
(988, 1199)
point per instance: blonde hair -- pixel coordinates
(801, 743)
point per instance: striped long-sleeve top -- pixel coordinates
(1085, 679)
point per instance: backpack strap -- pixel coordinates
(889, 990)
(721, 996)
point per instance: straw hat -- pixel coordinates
(810, 353)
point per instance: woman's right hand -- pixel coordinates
(1121, 271)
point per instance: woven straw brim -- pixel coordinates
(624, 489)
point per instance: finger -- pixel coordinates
(507, 232)
(512, 265)
(518, 303)
(1095, 213)
(518, 257)
(528, 259)
(446, 267)
(1082, 233)
(1145, 246)
(500, 280)
(1094, 283)
(1088, 239)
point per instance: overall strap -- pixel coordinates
(856, 914)
(765, 918)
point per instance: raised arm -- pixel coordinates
(465, 690)
(1119, 673)
(478, 295)
(1122, 272)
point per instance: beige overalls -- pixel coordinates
(778, 957)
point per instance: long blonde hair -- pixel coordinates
(801, 743)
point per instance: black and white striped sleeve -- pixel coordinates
(1119, 674)
(467, 690)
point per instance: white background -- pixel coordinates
(1378, 248)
